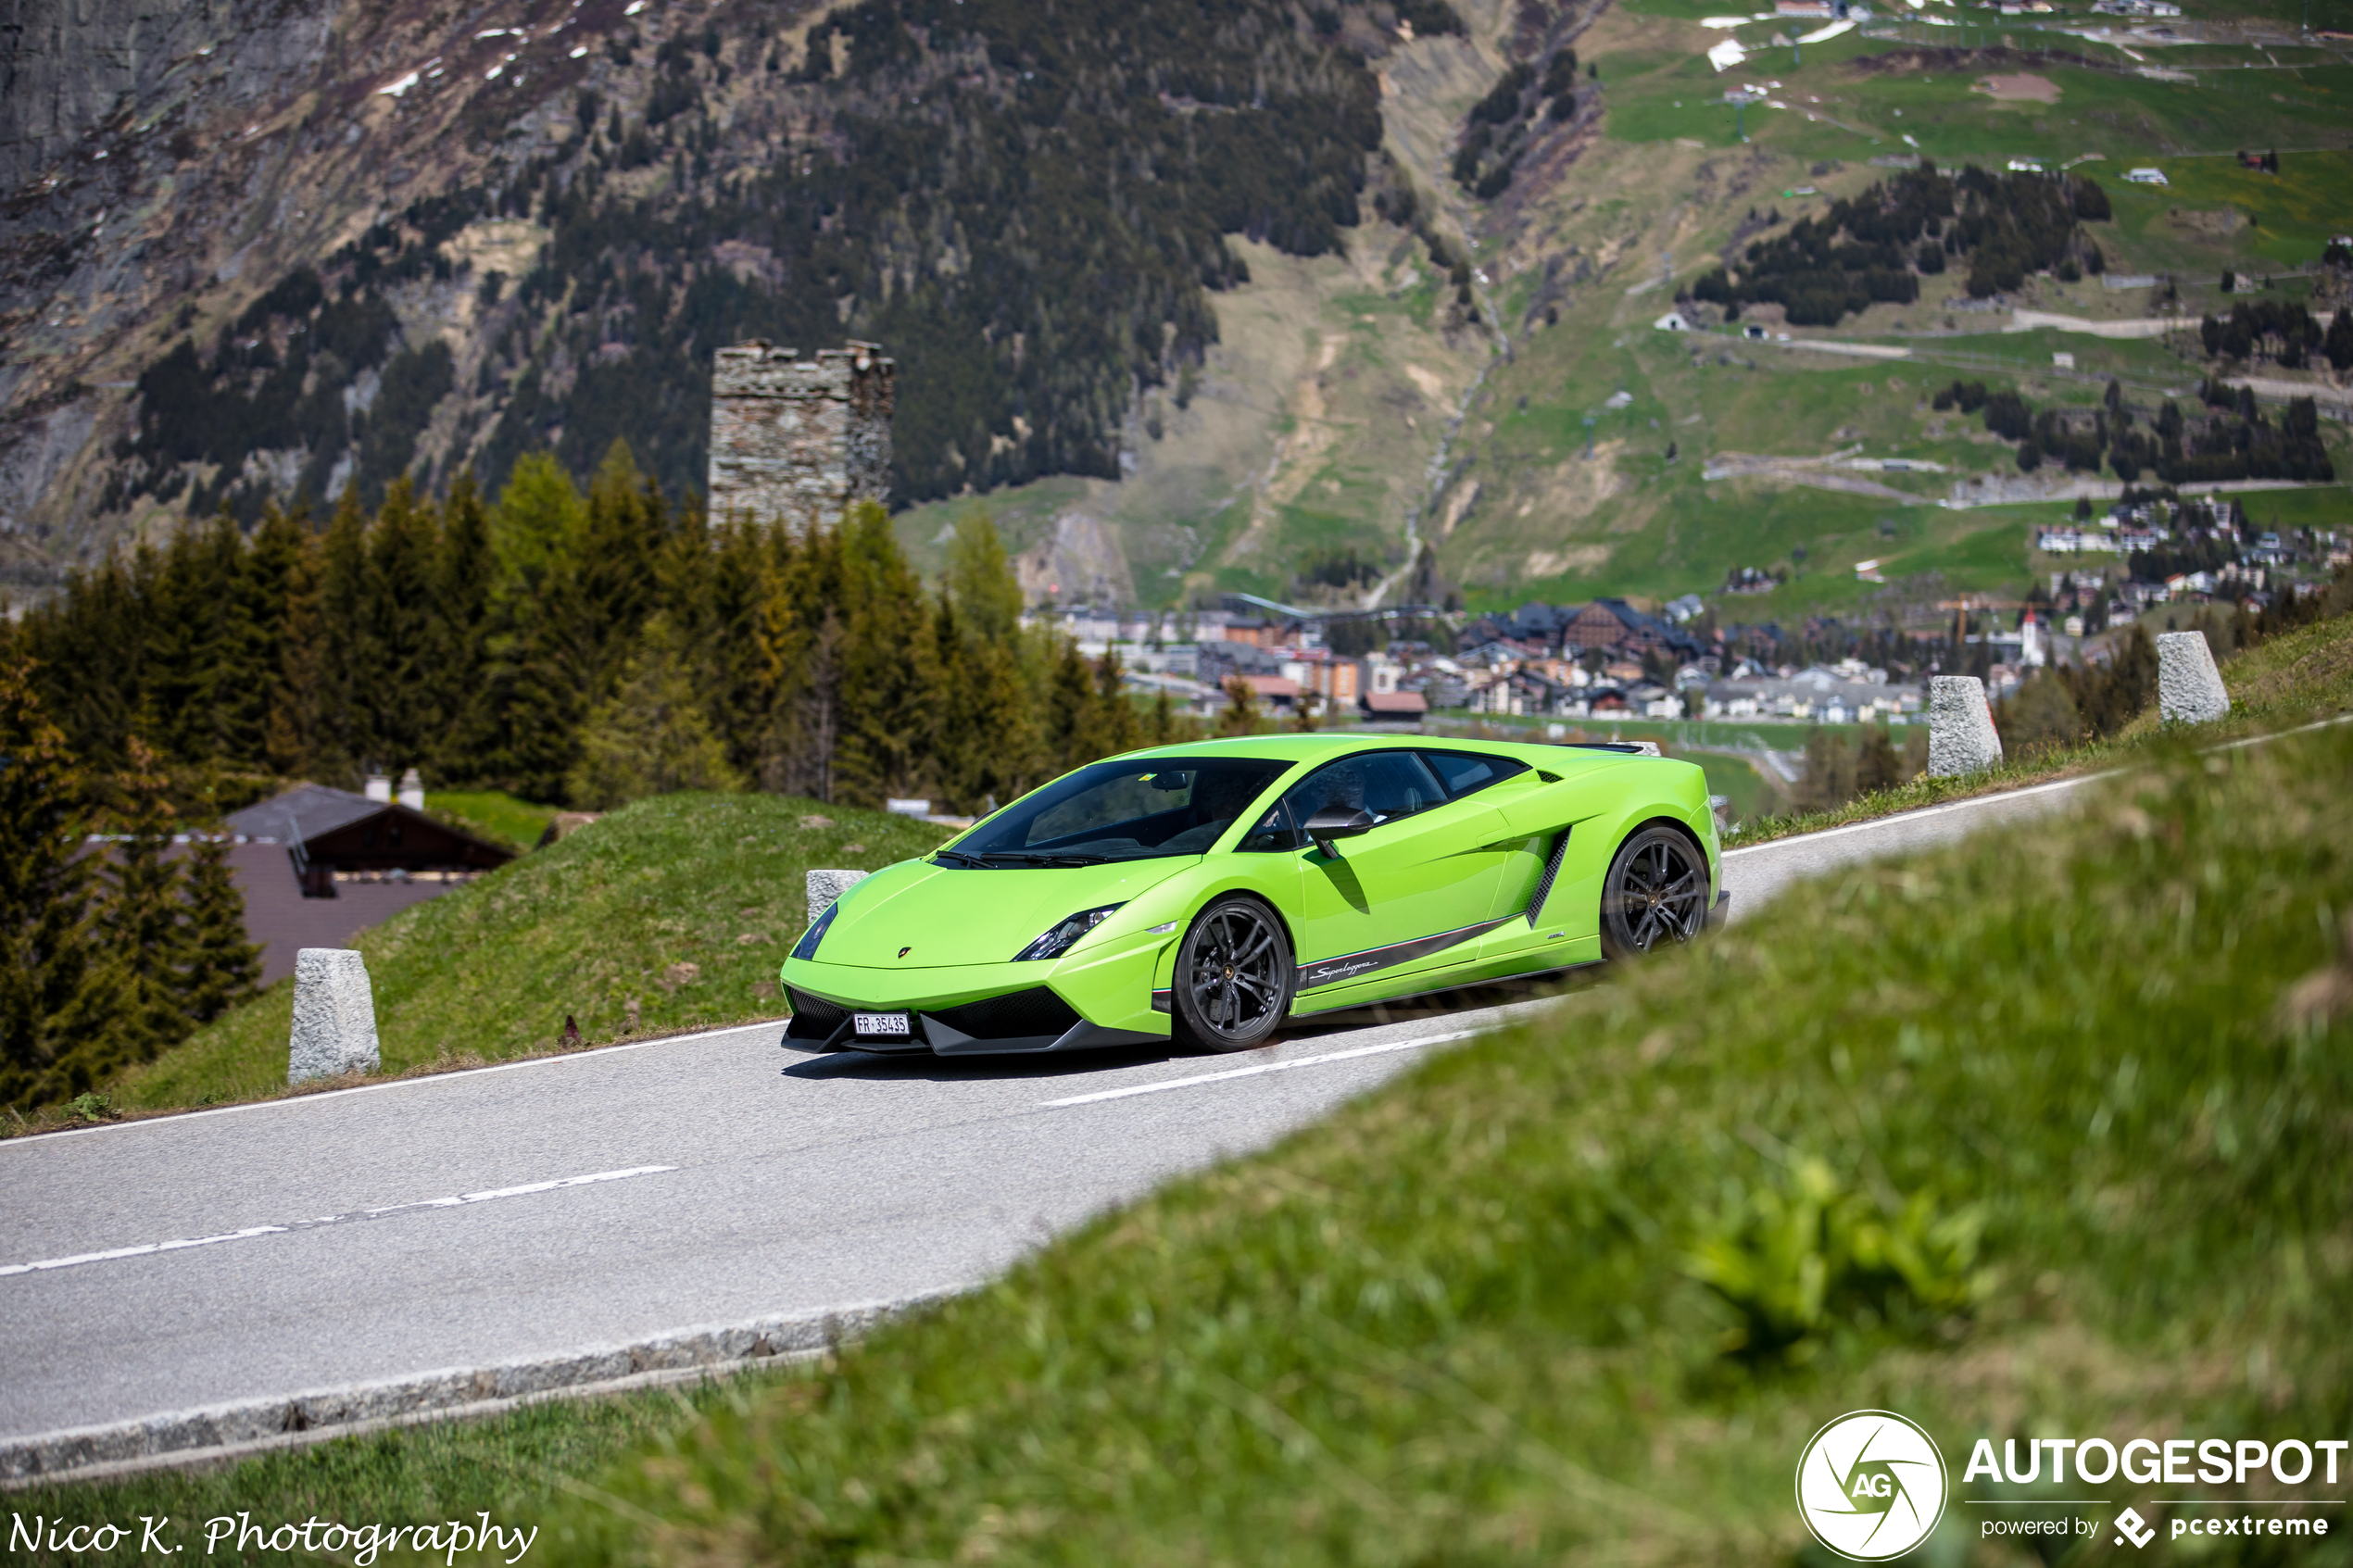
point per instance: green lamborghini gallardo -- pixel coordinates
(1210, 891)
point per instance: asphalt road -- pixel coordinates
(443, 1222)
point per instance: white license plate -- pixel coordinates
(893, 1024)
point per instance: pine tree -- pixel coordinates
(339, 737)
(295, 737)
(87, 647)
(142, 921)
(1877, 764)
(888, 684)
(1829, 779)
(651, 736)
(720, 613)
(982, 742)
(814, 707)
(396, 689)
(1163, 729)
(790, 739)
(223, 968)
(541, 645)
(626, 525)
(1071, 705)
(1117, 728)
(189, 635)
(237, 691)
(52, 995)
(266, 584)
(463, 738)
(981, 580)
(2040, 716)
(1241, 715)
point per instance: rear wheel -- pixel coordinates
(1656, 894)
(1234, 976)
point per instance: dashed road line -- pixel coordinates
(148, 1250)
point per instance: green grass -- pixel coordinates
(509, 1466)
(651, 904)
(1545, 1298)
(1463, 1322)
(493, 814)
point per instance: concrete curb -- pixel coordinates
(216, 1433)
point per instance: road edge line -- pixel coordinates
(1941, 806)
(406, 1081)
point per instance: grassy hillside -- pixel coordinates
(2033, 1107)
(2039, 1134)
(493, 814)
(670, 914)
(1661, 191)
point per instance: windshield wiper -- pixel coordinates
(1048, 858)
(962, 858)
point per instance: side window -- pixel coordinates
(1275, 831)
(1387, 783)
(1467, 772)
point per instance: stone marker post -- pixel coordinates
(334, 1016)
(1960, 727)
(2189, 689)
(826, 886)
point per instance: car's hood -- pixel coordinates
(957, 915)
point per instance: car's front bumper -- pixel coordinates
(1094, 996)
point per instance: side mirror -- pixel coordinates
(1337, 822)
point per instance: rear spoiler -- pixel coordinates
(1623, 747)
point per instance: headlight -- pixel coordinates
(807, 946)
(1057, 942)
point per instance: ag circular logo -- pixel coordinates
(1871, 1485)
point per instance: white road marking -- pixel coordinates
(149, 1249)
(422, 1080)
(1903, 818)
(1262, 1067)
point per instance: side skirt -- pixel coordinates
(1463, 982)
(1372, 961)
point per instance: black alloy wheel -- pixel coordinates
(1234, 976)
(1656, 892)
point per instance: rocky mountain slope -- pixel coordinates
(260, 249)
(1254, 294)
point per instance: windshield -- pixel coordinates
(1128, 809)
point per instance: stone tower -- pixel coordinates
(795, 442)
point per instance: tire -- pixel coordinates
(1656, 894)
(1234, 976)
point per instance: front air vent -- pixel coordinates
(1017, 1015)
(814, 1018)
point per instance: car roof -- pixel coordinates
(1316, 746)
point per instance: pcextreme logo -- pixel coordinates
(1871, 1485)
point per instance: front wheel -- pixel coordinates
(1656, 892)
(1234, 976)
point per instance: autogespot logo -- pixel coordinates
(1871, 1485)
